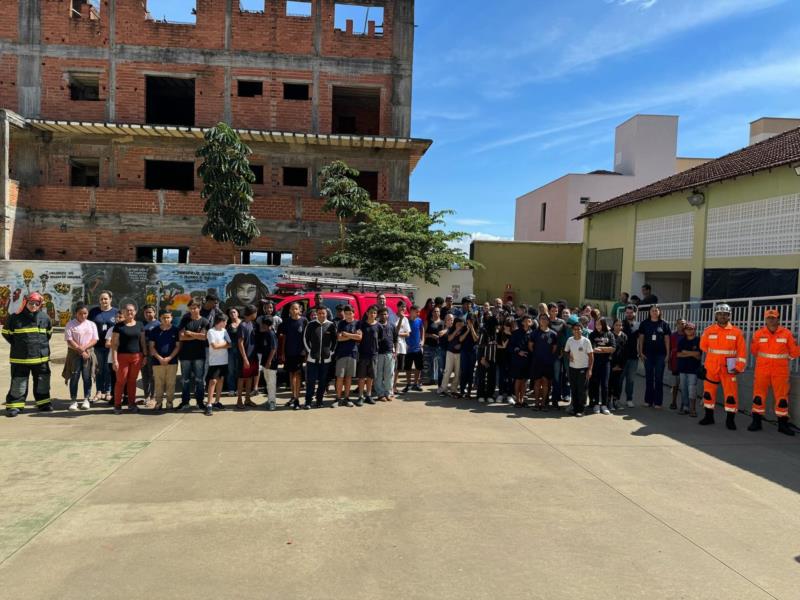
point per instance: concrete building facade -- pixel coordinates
(105, 106)
(645, 150)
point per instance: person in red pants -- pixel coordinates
(773, 346)
(128, 349)
(726, 357)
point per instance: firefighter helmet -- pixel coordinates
(722, 308)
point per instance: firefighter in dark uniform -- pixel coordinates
(29, 333)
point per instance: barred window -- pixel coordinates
(603, 273)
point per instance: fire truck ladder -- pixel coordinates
(333, 283)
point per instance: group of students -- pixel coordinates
(524, 356)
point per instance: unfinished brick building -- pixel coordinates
(104, 106)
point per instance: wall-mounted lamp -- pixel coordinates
(697, 199)
(796, 167)
(63, 227)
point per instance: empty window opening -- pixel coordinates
(295, 176)
(249, 89)
(268, 258)
(356, 111)
(357, 19)
(543, 217)
(169, 101)
(258, 173)
(298, 9)
(295, 91)
(84, 86)
(585, 200)
(168, 175)
(169, 11)
(369, 181)
(85, 9)
(84, 172)
(251, 6)
(160, 254)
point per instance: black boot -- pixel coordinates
(709, 418)
(756, 424)
(730, 421)
(784, 427)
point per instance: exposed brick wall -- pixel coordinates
(131, 91)
(59, 222)
(207, 32)
(341, 43)
(37, 232)
(60, 27)
(13, 192)
(8, 81)
(56, 100)
(272, 31)
(8, 24)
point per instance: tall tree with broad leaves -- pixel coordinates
(227, 192)
(342, 195)
(397, 246)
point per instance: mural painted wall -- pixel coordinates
(170, 287)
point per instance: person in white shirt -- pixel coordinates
(581, 359)
(403, 331)
(218, 343)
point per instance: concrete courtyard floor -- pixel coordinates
(423, 498)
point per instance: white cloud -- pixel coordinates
(447, 115)
(611, 37)
(643, 4)
(780, 74)
(472, 222)
(478, 235)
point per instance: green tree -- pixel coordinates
(392, 246)
(343, 196)
(227, 176)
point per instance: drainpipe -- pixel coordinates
(5, 127)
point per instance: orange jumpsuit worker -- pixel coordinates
(726, 356)
(773, 346)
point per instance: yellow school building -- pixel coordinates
(729, 228)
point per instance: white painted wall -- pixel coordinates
(644, 151)
(457, 282)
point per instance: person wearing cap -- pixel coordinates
(773, 346)
(29, 332)
(726, 357)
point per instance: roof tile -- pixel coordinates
(776, 151)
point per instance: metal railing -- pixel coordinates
(746, 313)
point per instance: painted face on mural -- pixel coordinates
(246, 293)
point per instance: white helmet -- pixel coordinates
(722, 308)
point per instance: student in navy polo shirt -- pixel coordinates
(348, 336)
(149, 321)
(164, 346)
(545, 352)
(367, 355)
(249, 358)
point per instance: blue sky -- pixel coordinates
(516, 93)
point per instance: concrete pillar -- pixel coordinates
(399, 176)
(29, 64)
(315, 67)
(227, 110)
(403, 52)
(111, 98)
(5, 136)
